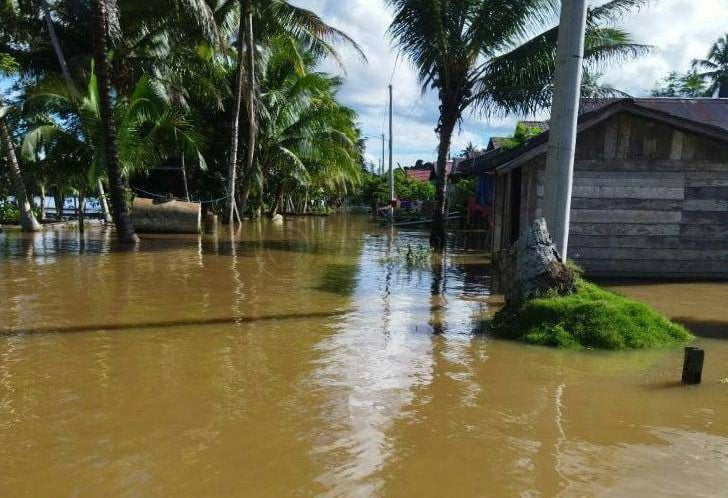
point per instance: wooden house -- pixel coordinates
(650, 191)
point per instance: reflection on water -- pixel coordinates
(300, 359)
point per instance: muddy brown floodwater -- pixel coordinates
(299, 360)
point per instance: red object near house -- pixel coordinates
(421, 175)
(481, 211)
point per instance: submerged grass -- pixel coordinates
(411, 257)
(589, 318)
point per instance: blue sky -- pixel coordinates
(679, 30)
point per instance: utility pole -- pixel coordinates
(391, 172)
(381, 169)
(564, 116)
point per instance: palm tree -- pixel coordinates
(306, 139)
(65, 124)
(124, 228)
(27, 219)
(469, 151)
(55, 42)
(715, 68)
(492, 56)
(263, 20)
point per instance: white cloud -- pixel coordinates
(680, 30)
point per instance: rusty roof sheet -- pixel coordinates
(705, 110)
(701, 111)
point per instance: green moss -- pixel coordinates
(590, 318)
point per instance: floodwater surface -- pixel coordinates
(308, 359)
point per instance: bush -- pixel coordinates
(9, 213)
(589, 318)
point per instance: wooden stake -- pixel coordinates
(693, 365)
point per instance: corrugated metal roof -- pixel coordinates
(711, 113)
(700, 110)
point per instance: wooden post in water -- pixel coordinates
(209, 221)
(693, 365)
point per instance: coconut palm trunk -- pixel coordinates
(42, 201)
(122, 220)
(235, 122)
(438, 231)
(102, 200)
(252, 123)
(247, 175)
(56, 44)
(81, 213)
(27, 219)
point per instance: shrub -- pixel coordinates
(589, 318)
(9, 213)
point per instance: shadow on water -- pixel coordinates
(712, 329)
(170, 323)
(338, 279)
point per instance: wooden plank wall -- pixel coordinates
(648, 201)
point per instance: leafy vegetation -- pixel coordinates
(714, 68)
(707, 78)
(154, 83)
(375, 189)
(589, 318)
(675, 84)
(9, 213)
(523, 133)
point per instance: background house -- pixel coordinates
(650, 192)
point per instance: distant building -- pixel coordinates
(650, 192)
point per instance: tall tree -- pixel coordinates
(715, 68)
(72, 86)
(235, 123)
(101, 25)
(492, 56)
(268, 19)
(27, 218)
(28, 221)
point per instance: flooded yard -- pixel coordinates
(299, 359)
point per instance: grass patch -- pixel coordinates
(589, 318)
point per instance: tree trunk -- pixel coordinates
(252, 125)
(58, 201)
(438, 231)
(27, 219)
(235, 122)
(81, 213)
(184, 179)
(42, 202)
(102, 200)
(56, 45)
(723, 88)
(124, 227)
(277, 202)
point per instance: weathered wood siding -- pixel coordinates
(648, 200)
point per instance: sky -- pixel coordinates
(678, 30)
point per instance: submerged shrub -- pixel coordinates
(409, 256)
(9, 213)
(589, 318)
